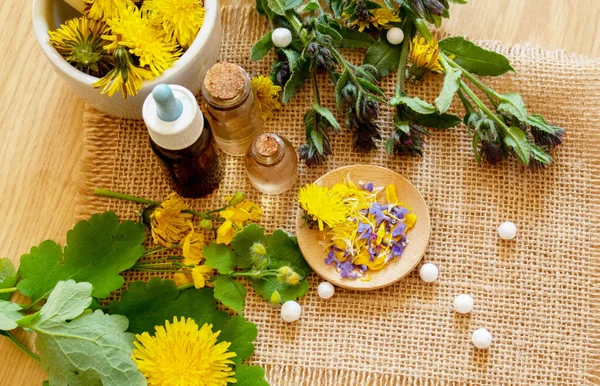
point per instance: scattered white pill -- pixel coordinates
(395, 36)
(463, 304)
(325, 290)
(281, 37)
(429, 272)
(507, 230)
(290, 311)
(482, 338)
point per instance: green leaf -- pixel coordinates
(317, 139)
(325, 113)
(308, 7)
(97, 251)
(437, 120)
(451, 83)
(8, 276)
(339, 86)
(475, 59)
(9, 314)
(147, 305)
(219, 257)
(517, 141)
(277, 6)
(370, 86)
(539, 122)
(291, 4)
(384, 56)
(327, 30)
(261, 47)
(299, 74)
(240, 334)
(292, 56)
(512, 103)
(243, 241)
(352, 38)
(475, 144)
(250, 376)
(265, 288)
(540, 155)
(283, 249)
(415, 104)
(231, 293)
(90, 349)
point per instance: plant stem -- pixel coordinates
(420, 25)
(482, 106)
(159, 249)
(8, 290)
(110, 193)
(156, 270)
(488, 91)
(185, 286)
(20, 345)
(403, 59)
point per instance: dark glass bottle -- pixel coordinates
(194, 171)
(182, 139)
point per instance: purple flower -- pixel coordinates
(397, 249)
(368, 186)
(363, 268)
(347, 269)
(331, 257)
(399, 230)
(362, 227)
(368, 234)
(399, 211)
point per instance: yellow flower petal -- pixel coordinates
(169, 224)
(266, 96)
(181, 279)
(200, 275)
(390, 194)
(225, 233)
(410, 219)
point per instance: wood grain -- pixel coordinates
(41, 136)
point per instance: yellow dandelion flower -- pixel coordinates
(180, 353)
(322, 205)
(425, 54)
(124, 76)
(181, 19)
(267, 96)
(193, 245)
(378, 18)
(200, 275)
(80, 42)
(133, 30)
(105, 9)
(169, 224)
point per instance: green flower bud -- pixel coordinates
(258, 249)
(206, 225)
(275, 297)
(237, 198)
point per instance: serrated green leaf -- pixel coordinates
(219, 257)
(261, 47)
(277, 6)
(240, 334)
(250, 376)
(299, 74)
(97, 251)
(437, 120)
(451, 84)
(325, 113)
(283, 249)
(242, 242)
(475, 59)
(517, 141)
(341, 82)
(9, 314)
(265, 289)
(415, 104)
(231, 293)
(8, 276)
(90, 349)
(147, 305)
(384, 56)
(513, 103)
(352, 38)
(317, 140)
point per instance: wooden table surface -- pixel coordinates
(41, 135)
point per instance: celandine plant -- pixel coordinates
(308, 38)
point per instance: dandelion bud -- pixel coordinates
(206, 225)
(275, 297)
(237, 198)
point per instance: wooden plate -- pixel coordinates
(418, 237)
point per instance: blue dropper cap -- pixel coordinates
(168, 107)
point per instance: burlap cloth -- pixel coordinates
(537, 295)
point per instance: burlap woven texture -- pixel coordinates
(537, 295)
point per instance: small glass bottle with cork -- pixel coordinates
(230, 106)
(181, 138)
(272, 164)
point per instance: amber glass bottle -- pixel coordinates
(181, 138)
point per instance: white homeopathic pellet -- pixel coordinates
(395, 36)
(463, 304)
(290, 311)
(429, 272)
(482, 338)
(507, 230)
(281, 37)
(325, 290)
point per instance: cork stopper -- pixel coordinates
(224, 81)
(267, 145)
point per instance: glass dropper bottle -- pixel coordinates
(272, 164)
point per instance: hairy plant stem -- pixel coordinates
(491, 94)
(463, 86)
(20, 345)
(407, 29)
(110, 193)
(8, 290)
(159, 249)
